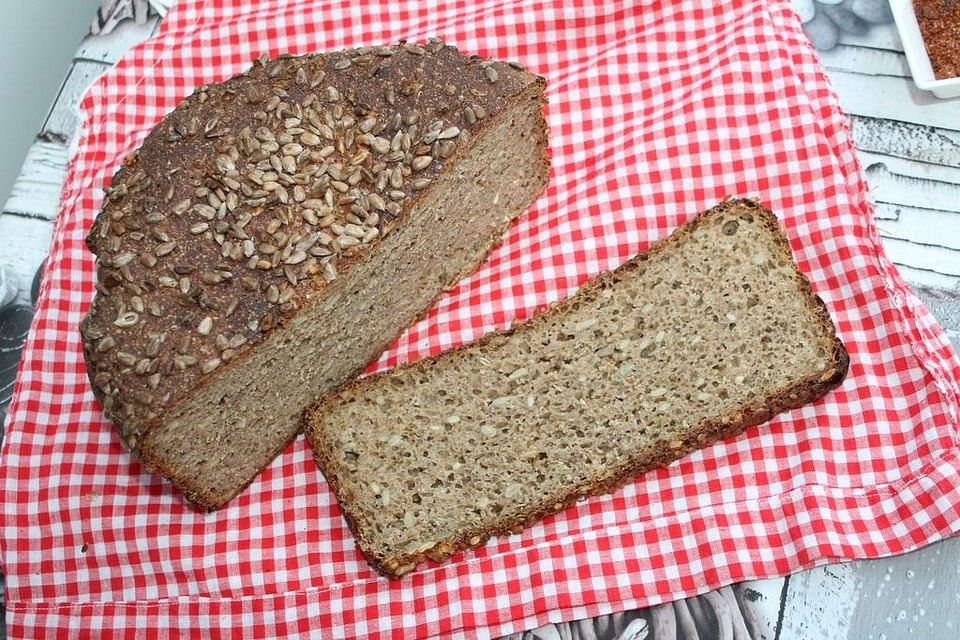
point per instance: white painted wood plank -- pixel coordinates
(36, 191)
(61, 122)
(906, 140)
(935, 259)
(25, 244)
(109, 47)
(863, 60)
(945, 306)
(918, 218)
(916, 595)
(883, 36)
(902, 168)
(887, 186)
(819, 604)
(894, 98)
(920, 278)
(886, 211)
(766, 606)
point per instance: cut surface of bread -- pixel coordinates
(709, 332)
(277, 231)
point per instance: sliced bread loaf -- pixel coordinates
(709, 332)
(276, 231)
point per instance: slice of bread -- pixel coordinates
(709, 332)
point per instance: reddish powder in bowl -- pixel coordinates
(939, 22)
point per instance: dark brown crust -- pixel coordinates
(134, 407)
(796, 395)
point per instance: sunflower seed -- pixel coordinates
(329, 272)
(225, 164)
(205, 326)
(353, 230)
(182, 206)
(127, 319)
(210, 365)
(165, 248)
(380, 145)
(296, 257)
(421, 162)
(125, 358)
(183, 362)
(317, 78)
(154, 347)
(446, 148)
(123, 259)
(396, 142)
(376, 201)
(292, 149)
(449, 132)
(273, 294)
(209, 277)
(205, 211)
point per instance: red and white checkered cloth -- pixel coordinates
(656, 112)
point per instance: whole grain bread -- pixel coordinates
(275, 232)
(709, 332)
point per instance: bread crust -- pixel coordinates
(796, 395)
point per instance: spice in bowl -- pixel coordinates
(939, 22)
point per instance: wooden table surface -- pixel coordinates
(909, 145)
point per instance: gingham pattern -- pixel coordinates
(656, 111)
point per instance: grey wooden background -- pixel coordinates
(910, 148)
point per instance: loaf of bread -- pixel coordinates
(275, 232)
(709, 332)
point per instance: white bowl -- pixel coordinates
(916, 52)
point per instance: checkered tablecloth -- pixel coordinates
(657, 110)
